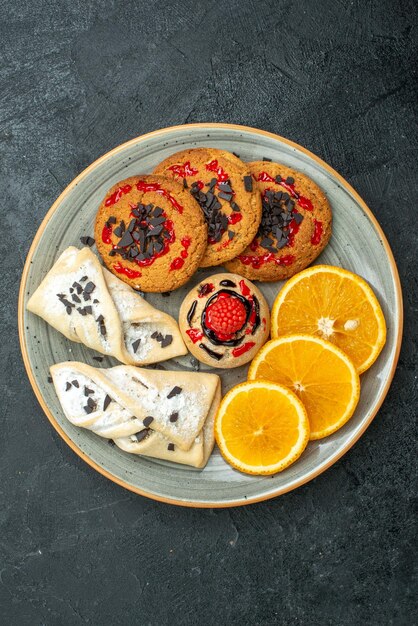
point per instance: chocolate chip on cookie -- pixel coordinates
(151, 233)
(221, 184)
(295, 226)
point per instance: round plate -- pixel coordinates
(357, 244)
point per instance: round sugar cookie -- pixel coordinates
(224, 320)
(295, 225)
(230, 201)
(150, 233)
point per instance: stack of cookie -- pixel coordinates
(205, 207)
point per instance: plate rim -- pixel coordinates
(105, 472)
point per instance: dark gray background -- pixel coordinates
(77, 78)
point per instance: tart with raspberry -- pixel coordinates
(227, 194)
(295, 224)
(150, 233)
(224, 320)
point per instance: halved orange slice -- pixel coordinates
(336, 305)
(319, 373)
(261, 427)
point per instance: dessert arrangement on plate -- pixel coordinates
(261, 222)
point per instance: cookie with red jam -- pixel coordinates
(295, 225)
(150, 233)
(230, 201)
(224, 320)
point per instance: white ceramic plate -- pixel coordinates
(357, 244)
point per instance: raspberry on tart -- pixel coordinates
(224, 321)
(226, 315)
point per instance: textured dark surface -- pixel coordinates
(77, 78)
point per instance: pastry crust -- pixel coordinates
(111, 318)
(156, 445)
(201, 165)
(122, 402)
(306, 239)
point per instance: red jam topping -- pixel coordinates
(244, 288)
(107, 234)
(223, 245)
(263, 177)
(156, 188)
(257, 261)
(183, 170)
(293, 230)
(205, 290)
(221, 175)
(120, 269)
(234, 218)
(178, 262)
(253, 318)
(303, 202)
(195, 334)
(117, 195)
(236, 352)
(317, 234)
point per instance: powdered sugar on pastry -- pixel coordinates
(85, 302)
(179, 417)
(138, 407)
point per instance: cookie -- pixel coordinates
(150, 233)
(224, 320)
(222, 185)
(295, 225)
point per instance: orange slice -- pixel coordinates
(336, 305)
(319, 373)
(261, 428)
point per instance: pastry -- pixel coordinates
(150, 233)
(222, 185)
(87, 304)
(224, 320)
(295, 225)
(161, 414)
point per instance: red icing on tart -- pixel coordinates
(224, 321)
